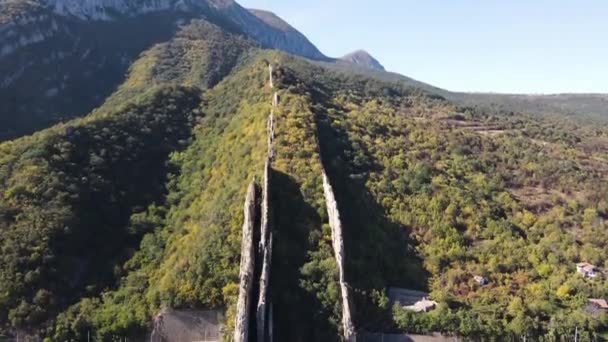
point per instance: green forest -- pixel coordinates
(108, 219)
(433, 194)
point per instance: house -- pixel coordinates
(596, 306)
(416, 301)
(587, 270)
(480, 280)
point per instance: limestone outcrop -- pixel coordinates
(265, 252)
(264, 330)
(271, 76)
(338, 246)
(256, 261)
(246, 274)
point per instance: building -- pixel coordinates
(596, 306)
(416, 301)
(587, 270)
(480, 280)
(187, 325)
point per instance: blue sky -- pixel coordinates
(506, 46)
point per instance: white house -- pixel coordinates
(587, 270)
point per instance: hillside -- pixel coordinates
(136, 209)
(514, 198)
(593, 107)
(60, 59)
(444, 192)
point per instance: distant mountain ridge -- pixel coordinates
(363, 58)
(53, 49)
(289, 38)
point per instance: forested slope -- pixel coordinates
(107, 220)
(433, 194)
(67, 195)
(76, 199)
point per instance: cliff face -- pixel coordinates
(278, 34)
(52, 49)
(265, 253)
(264, 329)
(241, 330)
(265, 27)
(338, 246)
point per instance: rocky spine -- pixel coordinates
(265, 248)
(241, 327)
(338, 246)
(265, 251)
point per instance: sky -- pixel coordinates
(502, 46)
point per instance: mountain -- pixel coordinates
(442, 190)
(284, 36)
(363, 58)
(83, 49)
(135, 209)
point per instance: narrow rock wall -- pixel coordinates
(265, 251)
(338, 246)
(246, 274)
(271, 76)
(271, 136)
(275, 100)
(264, 330)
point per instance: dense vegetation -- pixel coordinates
(66, 196)
(517, 199)
(107, 220)
(72, 66)
(189, 259)
(80, 196)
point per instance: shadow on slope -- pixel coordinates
(298, 314)
(379, 252)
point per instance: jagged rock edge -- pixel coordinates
(246, 273)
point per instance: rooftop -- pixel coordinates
(599, 302)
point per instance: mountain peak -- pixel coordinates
(285, 36)
(271, 19)
(363, 58)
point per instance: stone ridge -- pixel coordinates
(246, 273)
(337, 238)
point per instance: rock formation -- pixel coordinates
(338, 246)
(264, 330)
(275, 100)
(271, 136)
(271, 77)
(265, 251)
(246, 274)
